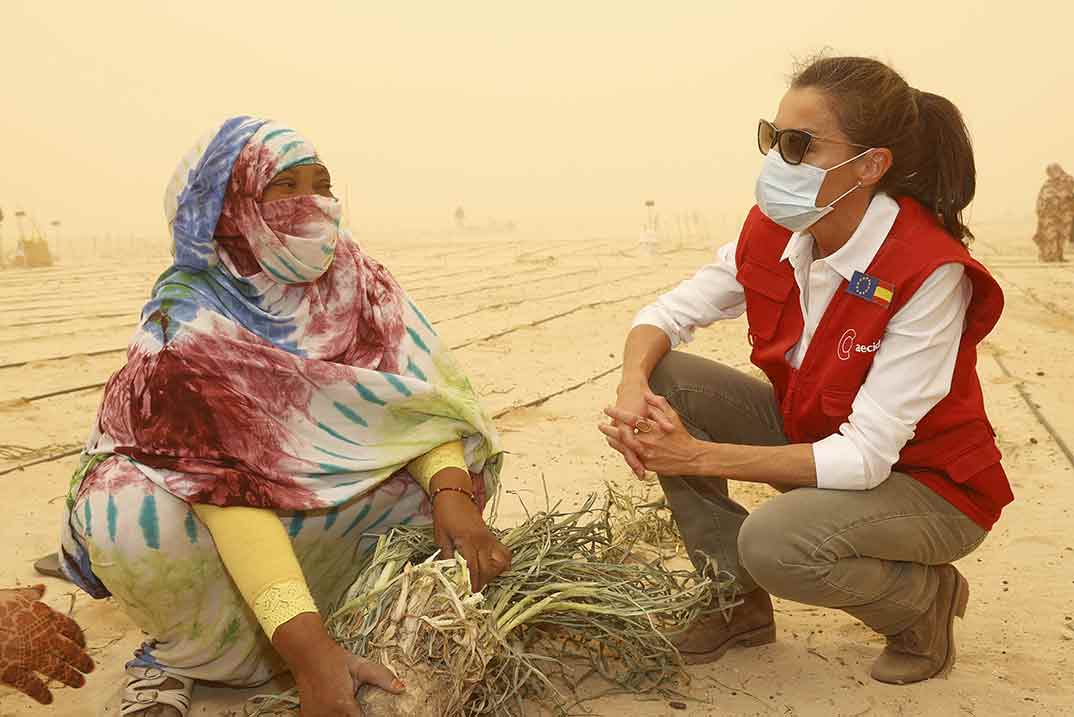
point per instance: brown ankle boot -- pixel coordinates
(927, 648)
(751, 625)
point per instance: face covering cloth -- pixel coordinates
(291, 240)
(787, 193)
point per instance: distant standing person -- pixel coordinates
(1055, 214)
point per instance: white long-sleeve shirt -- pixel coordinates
(911, 371)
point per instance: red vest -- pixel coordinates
(953, 450)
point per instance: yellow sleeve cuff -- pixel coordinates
(448, 455)
(280, 602)
(258, 555)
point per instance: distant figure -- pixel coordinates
(460, 218)
(1055, 214)
(649, 238)
(1070, 238)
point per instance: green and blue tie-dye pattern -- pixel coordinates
(172, 583)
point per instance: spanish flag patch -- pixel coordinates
(871, 289)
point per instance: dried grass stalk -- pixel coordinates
(576, 603)
(641, 524)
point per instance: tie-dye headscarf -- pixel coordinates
(292, 240)
(281, 367)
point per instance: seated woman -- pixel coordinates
(283, 403)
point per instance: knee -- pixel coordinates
(125, 511)
(668, 379)
(759, 545)
(768, 552)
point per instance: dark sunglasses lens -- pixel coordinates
(793, 145)
(766, 136)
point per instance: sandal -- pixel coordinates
(49, 566)
(143, 690)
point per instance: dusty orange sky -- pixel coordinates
(562, 116)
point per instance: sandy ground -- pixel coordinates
(540, 328)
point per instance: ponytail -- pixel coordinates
(946, 177)
(932, 155)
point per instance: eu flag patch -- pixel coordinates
(870, 288)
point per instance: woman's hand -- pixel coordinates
(655, 434)
(327, 676)
(459, 527)
(36, 640)
(630, 399)
(328, 685)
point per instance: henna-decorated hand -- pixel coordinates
(34, 639)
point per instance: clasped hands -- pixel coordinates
(649, 434)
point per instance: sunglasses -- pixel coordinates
(793, 143)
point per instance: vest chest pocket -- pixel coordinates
(767, 292)
(837, 403)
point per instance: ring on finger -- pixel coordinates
(643, 425)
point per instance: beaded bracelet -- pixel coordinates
(465, 492)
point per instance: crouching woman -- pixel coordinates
(864, 311)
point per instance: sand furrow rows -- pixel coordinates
(45, 315)
(97, 341)
(547, 378)
(58, 406)
(57, 392)
(95, 372)
(513, 283)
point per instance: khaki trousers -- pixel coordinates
(868, 552)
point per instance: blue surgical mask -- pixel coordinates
(787, 193)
